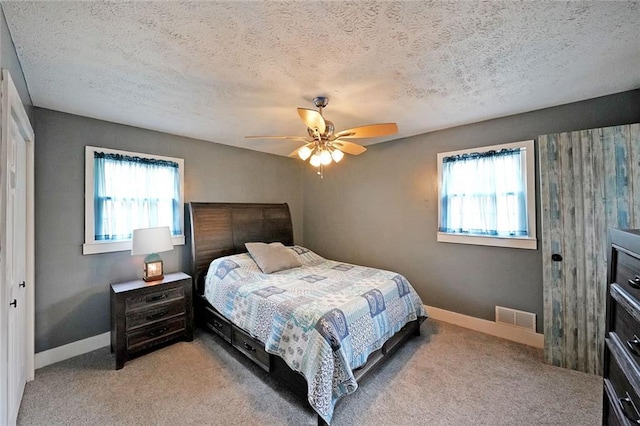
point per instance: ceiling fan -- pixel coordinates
(323, 145)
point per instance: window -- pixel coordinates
(487, 196)
(128, 190)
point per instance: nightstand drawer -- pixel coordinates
(627, 273)
(154, 314)
(152, 335)
(250, 347)
(145, 300)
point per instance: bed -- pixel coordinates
(319, 327)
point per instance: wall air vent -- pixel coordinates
(517, 318)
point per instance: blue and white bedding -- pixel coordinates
(323, 319)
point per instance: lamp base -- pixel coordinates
(152, 268)
(150, 279)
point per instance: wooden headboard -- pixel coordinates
(221, 229)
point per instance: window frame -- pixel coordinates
(93, 246)
(530, 241)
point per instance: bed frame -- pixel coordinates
(222, 229)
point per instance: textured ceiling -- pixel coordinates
(221, 70)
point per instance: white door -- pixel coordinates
(16, 262)
(16, 253)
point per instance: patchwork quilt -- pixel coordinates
(323, 319)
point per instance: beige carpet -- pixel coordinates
(447, 376)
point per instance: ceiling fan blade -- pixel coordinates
(370, 131)
(312, 119)
(349, 147)
(294, 154)
(293, 138)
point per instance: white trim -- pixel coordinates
(110, 246)
(91, 246)
(484, 240)
(30, 260)
(12, 106)
(505, 331)
(516, 334)
(529, 242)
(51, 356)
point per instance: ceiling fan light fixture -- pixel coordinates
(323, 145)
(304, 153)
(315, 160)
(325, 157)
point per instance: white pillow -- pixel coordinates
(272, 257)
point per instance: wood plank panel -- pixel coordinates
(567, 218)
(598, 255)
(545, 212)
(581, 358)
(589, 144)
(554, 307)
(589, 182)
(623, 196)
(634, 138)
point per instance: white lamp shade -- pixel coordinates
(151, 240)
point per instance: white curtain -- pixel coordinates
(134, 192)
(484, 194)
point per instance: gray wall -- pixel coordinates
(380, 209)
(72, 290)
(9, 61)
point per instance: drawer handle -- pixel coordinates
(217, 325)
(635, 283)
(157, 332)
(156, 315)
(627, 402)
(634, 345)
(248, 347)
(158, 297)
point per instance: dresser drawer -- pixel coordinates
(217, 323)
(250, 347)
(146, 300)
(154, 313)
(623, 392)
(625, 326)
(627, 273)
(612, 414)
(148, 336)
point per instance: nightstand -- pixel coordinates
(145, 315)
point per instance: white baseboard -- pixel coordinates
(516, 334)
(51, 356)
(505, 331)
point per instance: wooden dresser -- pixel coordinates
(145, 315)
(621, 400)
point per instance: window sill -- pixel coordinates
(110, 246)
(515, 242)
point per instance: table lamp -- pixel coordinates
(151, 241)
